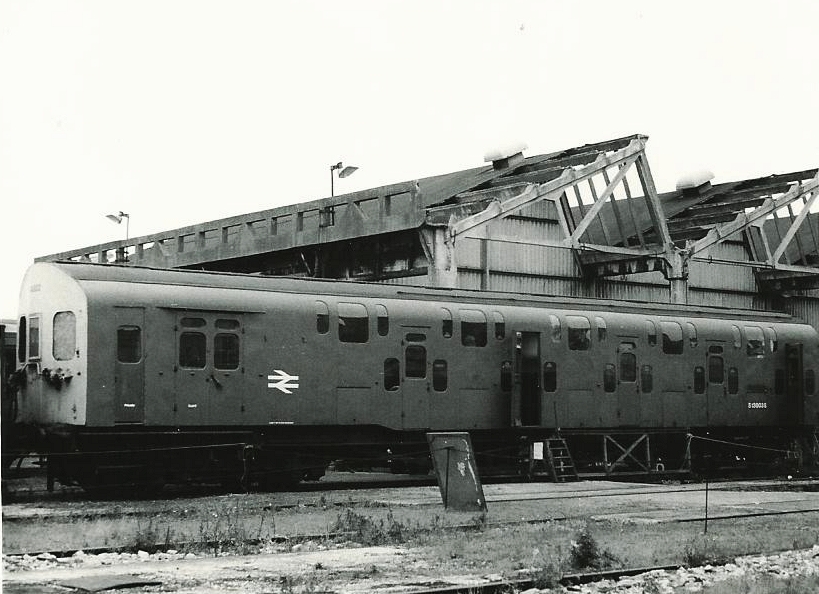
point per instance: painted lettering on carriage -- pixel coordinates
(757, 405)
(281, 380)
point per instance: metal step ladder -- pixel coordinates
(560, 460)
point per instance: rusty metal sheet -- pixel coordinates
(456, 470)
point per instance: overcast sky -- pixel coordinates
(179, 112)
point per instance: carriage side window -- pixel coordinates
(772, 342)
(737, 337)
(226, 351)
(64, 343)
(392, 373)
(500, 325)
(192, 350)
(810, 382)
(446, 323)
(628, 363)
(439, 375)
(549, 376)
(716, 370)
(382, 320)
(21, 343)
(601, 328)
(506, 376)
(672, 338)
(579, 332)
(610, 378)
(646, 379)
(322, 317)
(755, 341)
(473, 327)
(699, 380)
(416, 361)
(651, 333)
(733, 380)
(352, 323)
(33, 337)
(228, 324)
(692, 334)
(193, 322)
(554, 322)
(129, 344)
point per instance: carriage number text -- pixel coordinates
(757, 405)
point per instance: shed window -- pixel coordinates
(549, 376)
(755, 341)
(64, 343)
(322, 318)
(500, 325)
(382, 320)
(579, 331)
(446, 323)
(192, 350)
(473, 327)
(439, 375)
(129, 344)
(416, 363)
(226, 351)
(672, 338)
(392, 372)
(352, 323)
(610, 378)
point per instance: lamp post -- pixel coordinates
(342, 173)
(117, 218)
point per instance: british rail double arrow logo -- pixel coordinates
(281, 380)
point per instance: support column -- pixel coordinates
(677, 275)
(440, 252)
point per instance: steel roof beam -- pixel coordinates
(743, 220)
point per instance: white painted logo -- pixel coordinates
(283, 381)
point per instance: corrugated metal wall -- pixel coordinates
(518, 266)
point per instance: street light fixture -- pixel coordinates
(342, 173)
(117, 218)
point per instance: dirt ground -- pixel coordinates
(528, 527)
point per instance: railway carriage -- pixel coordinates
(133, 375)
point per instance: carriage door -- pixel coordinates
(209, 368)
(526, 391)
(416, 388)
(628, 386)
(129, 369)
(795, 385)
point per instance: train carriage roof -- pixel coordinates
(82, 272)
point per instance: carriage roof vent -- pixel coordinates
(506, 156)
